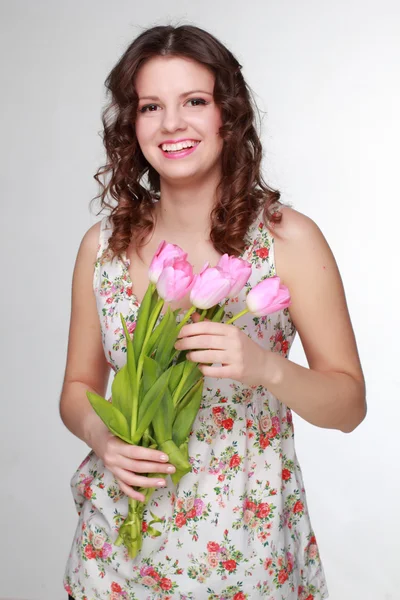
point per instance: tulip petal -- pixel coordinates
(267, 297)
(209, 287)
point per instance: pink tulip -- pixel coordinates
(267, 297)
(164, 255)
(210, 286)
(239, 271)
(175, 280)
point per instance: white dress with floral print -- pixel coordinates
(237, 526)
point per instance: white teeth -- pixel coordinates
(179, 146)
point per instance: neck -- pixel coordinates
(186, 209)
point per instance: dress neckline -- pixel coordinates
(124, 263)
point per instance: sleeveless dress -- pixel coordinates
(236, 527)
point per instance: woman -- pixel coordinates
(183, 165)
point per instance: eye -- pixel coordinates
(148, 108)
(198, 101)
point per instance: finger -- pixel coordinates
(204, 327)
(224, 372)
(141, 453)
(129, 491)
(216, 342)
(207, 356)
(137, 480)
(143, 466)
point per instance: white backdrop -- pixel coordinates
(327, 74)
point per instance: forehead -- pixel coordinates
(172, 75)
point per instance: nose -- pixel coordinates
(172, 120)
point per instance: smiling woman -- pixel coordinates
(181, 124)
(175, 84)
(183, 166)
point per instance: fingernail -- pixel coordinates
(171, 469)
(164, 457)
(161, 482)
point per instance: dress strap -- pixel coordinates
(104, 236)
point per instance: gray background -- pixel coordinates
(327, 74)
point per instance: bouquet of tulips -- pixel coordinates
(156, 395)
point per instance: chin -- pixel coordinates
(182, 173)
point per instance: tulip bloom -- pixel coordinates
(265, 298)
(164, 256)
(268, 297)
(175, 280)
(239, 271)
(210, 286)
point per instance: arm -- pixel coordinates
(331, 393)
(87, 369)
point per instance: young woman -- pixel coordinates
(183, 165)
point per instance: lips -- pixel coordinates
(179, 153)
(184, 142)
(180, 140)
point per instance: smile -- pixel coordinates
(179, 149)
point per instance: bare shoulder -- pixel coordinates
(90, 243)
(295, 226)
(300, 246)
(84, 265)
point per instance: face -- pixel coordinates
(177, 124)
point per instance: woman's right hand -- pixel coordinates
(127, 462)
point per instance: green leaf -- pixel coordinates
(163, 418)
(121, 393)
(151, 371)
(110, 415)
(192, 378)
(154, 298)
(176, 457)
(130, 355)
(219, 314)
(142, 322)
(176, 375)
(150, 404)
(123, 388)
(164, 350)
(181, 356)
(186, 416)
(155, 336)
(211, 312)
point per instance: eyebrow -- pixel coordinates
(180, 96)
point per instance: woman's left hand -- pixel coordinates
(241, 358)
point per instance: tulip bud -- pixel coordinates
(175, 280)
(210, 286)
(239, 271)
(164, 255)
(267, 297)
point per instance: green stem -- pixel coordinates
(189, 367)
(186, 372)
(246, 310)
(179, 327)
(153, 318)
(185, 319)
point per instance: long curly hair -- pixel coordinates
(130, 185)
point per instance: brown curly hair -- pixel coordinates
(133, 183)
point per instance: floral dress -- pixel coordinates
(237, 527)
